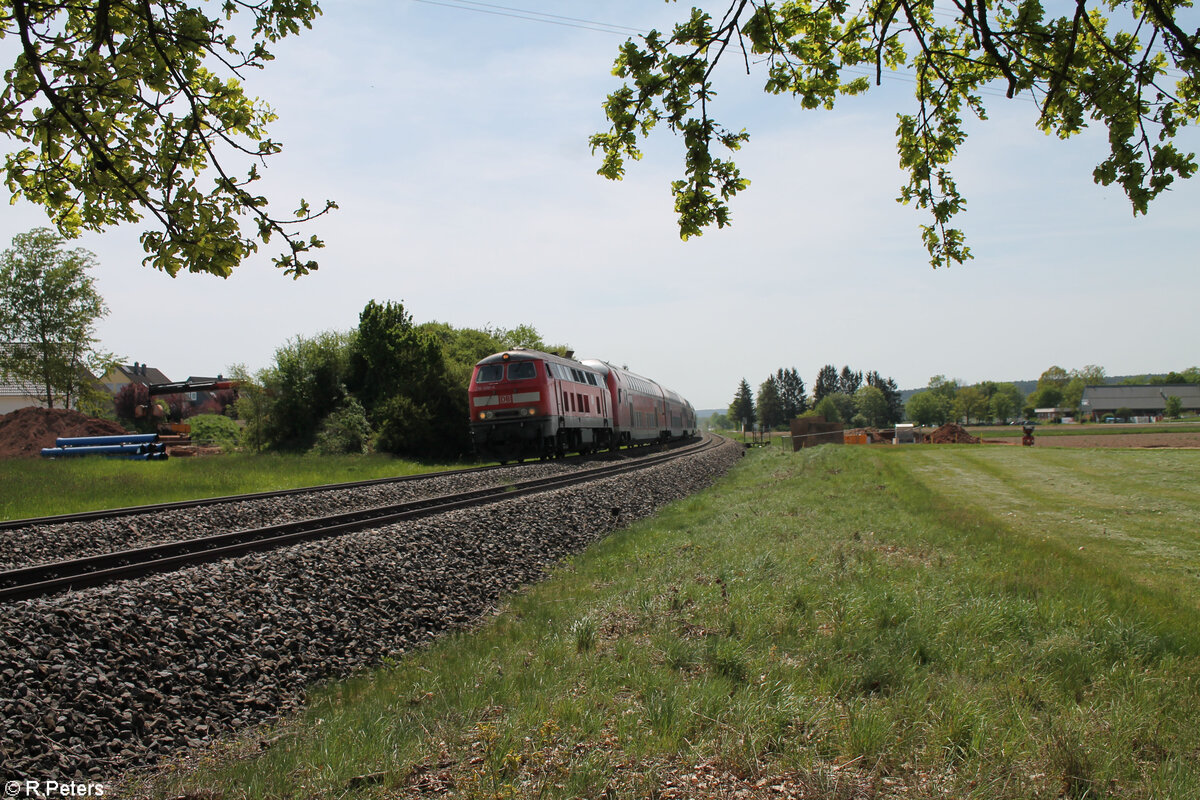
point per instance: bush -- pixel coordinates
(345, 430)
(405, 427)
(214, 429)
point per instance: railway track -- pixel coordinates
(51, 578)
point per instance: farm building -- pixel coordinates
(1143, 401)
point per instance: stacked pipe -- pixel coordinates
(132, 446)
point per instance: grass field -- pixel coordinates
(1001, 431)
(42, 487)
(842, 622)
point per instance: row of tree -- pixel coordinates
(838, 396)
(389, 385)
(872, 400)
(944, 400)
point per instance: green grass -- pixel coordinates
(1089, 429)
(918, 622)
(42, 487)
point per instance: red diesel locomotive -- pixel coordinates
(529, 404)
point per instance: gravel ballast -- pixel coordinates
(40, 544)
(102, 681)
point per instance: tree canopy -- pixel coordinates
(1126, 65)
(49, 307)
(123, 110)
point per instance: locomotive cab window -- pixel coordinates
(521, 371)
(489, 373)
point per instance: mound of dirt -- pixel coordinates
(952, 434)
(24, 432)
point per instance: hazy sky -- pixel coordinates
(455, 142)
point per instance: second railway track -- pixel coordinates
(77, 573)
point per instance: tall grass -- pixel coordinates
(37, 487)
(846, 621)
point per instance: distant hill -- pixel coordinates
(1027, 387)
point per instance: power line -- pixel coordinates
(535, 16)
(624, 30)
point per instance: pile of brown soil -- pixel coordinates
(951, 434)
(26, 431)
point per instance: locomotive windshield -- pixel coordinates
(521, 370)
(489, 373)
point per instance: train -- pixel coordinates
(530, 404)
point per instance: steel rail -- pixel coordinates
(150, 508)
(45, 579)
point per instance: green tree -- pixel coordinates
(928, 408)
(252, 407)
(791, 393)
(891, 394)
(717, 422)
(1054, 376)
(1091, 375)
(525, 336)
(970, 403)
(1173, 407)
(305, 384)
(1072, 393)
(849, 381)
(870, 402)
(1005, 401)
(827, 383)
(1048, 396)
(844, 404)
(828, 409)
(343, 431)
(741, 410)
(1129, 66)
(119, 107)
(398, 373)
(946, 388)
(462, 348)
(769, 405)
(49, 307)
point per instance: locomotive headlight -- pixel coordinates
(532, 411)
(483, 415)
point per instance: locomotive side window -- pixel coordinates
(489, 373)
(521, 370)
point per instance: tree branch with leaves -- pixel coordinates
(1127, 65)
(128, 109)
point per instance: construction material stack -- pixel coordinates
(131, 446)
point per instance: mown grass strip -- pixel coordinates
(1102, 429)
(843, 620)
(37, 487)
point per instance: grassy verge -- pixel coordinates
(38, 487)
(846, 622)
